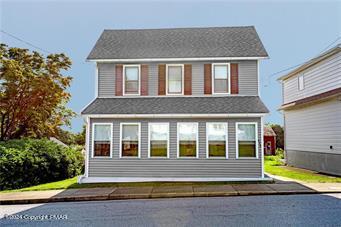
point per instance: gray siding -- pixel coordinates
(248, 78)
(106, 80)
(173, 166)
(315, 128)
(322, 77)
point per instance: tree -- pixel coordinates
(71, 138)
(32, 93)
(279, 135)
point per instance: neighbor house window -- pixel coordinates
(174, 79)
(216, 139)
(246, 140)
(102, 140)
(158, 139)
(130, 139)
(221, 78)
(301, 82)
(131, 79)
(187, 139)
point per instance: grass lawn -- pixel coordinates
(274, 166)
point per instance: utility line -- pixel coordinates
(23, 41)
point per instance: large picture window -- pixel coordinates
(130, 139)
(175, 79)
(102, 140)
(187, 140)
(158, 139)
(221, 78)
(216, 140)
(131, 79)
(246, 140)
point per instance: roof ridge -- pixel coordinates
(176, 28)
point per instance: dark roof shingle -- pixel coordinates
(178, 43)
(177, 105)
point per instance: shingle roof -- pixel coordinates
(178, 43)
(177, 105)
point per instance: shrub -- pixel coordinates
(30, 162)
(280, 153)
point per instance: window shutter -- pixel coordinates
(162, 79)
(207, 79)
(234, 79)
(188, 79)
(119, 80)
(144, 79)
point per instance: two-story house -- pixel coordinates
(176, 105)
(312, 113)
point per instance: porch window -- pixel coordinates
(130, 139)
(175, 79)
(216, 139)
(102, 140)
(221, 78)
(158, 139)
(187, 139)
(131, 79)
(246, 140)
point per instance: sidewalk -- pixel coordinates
(280, 187)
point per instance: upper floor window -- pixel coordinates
(131, 83)
(221, 78)
(301, 82)
(175, 79)
(102, 137)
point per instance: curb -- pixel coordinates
(157, 196)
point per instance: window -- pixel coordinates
(102, 135)
(246, 140)
(174, 79)
(216, 140)
(130, 139)
(221, 78)
(158, 139)
(301, 82)
(187, 139)
(131, 79)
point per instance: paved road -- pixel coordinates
(294, 210)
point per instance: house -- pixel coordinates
(269, 141)
(312, 113)
(176, 105)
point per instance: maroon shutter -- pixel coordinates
(234, 79)
(207, 79)
(144, 79)
(188, 79)
(162, 79)
(119, 80)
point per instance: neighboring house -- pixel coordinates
(269, 141)
(176, 105)
(312, 113)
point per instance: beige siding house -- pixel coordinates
(312, 113)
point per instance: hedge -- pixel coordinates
(30, 162)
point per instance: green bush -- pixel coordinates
(30, 162)
(280, 153)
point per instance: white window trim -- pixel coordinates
(256, 139)
(124, 79)
(93, 140)
(182, 78)
(226, 141)
(139, 137)
(229, 78)
(197, 141)
(149, 131)
(301, 85)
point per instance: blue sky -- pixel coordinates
(292, 32)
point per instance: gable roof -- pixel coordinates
(268, 131)
(178, 43)
(336, 49)
(177, 105)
